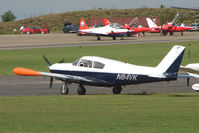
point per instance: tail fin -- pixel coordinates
(83, 25)
(106, 22)
(175, 18)
(151, 23)
(171, 62)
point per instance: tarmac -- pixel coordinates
(25, 86)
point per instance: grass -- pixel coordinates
(139, 54)
(165, 113)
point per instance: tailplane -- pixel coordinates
(151, 23)
(83, 25)
(171, 62)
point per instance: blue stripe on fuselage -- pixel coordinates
(112, 79)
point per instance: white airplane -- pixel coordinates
(110, 30)
(98, 71)
(193, 72)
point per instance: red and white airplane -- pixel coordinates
(168, 28)
(98, 71)
(109, 30)
(136, 30)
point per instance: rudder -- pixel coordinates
(171, 62)
(82, 24)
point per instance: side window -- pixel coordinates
(85, 63)
(98, 65)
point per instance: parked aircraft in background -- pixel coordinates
(98, 71)
(136, 30)
(168, 28)
(109, 30)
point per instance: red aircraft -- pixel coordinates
(136, 30)
(168, 28)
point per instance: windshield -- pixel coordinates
(76, 62)
(116, 25)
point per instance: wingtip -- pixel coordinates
(26, 72)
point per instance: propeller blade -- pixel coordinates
(47, 60)
(188, 80)
(51, 82)
(61, 61)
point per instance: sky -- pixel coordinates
(32, 8)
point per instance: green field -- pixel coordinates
(165, 113)
(140, 54)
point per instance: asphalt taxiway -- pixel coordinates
(25, 86)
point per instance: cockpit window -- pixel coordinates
(76, 62)
(85, 63)
(116, 26)
(98, 65)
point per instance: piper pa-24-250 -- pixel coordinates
(98, 71)
(109, 30)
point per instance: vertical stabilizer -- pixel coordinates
(151, 24)
(171, 62)
(106, 22)
(82, 24)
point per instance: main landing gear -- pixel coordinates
(80, 90)
(117, 89)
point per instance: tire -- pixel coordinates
(114, 37)
(64, 90)
(171, 33)
(117, 89)
(28, 32)
(81, 90)
(98, 38)
(42, 32)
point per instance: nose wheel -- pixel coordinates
(117, 89)
(81, 90)
(64, 90)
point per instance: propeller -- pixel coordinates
(48, 62)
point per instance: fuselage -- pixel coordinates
(104, 31)
(114, 73)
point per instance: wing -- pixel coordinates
(189, 70)
(63, 77)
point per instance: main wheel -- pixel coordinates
(170, 33)
(117, 89)
(98, 38)
(81, 90)
(64, 90)
(42, 32)
(27, 32)
(114, 37)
